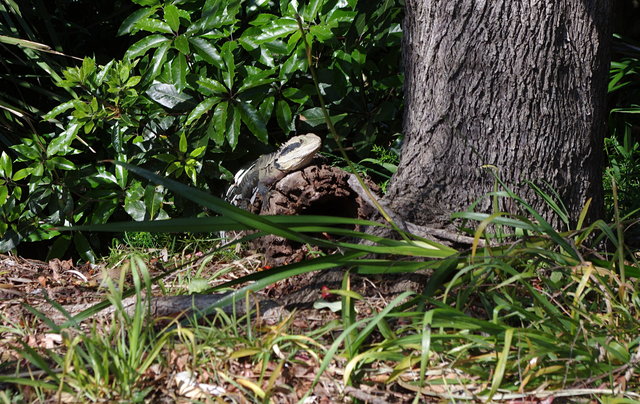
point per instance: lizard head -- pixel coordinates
(297, 152)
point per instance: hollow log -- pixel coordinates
(316, 190)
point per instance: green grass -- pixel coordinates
(542, 313)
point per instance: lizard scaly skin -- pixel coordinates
(256, 179)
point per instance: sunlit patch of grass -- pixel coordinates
(163, 245)
(540, 316)
(107, 361)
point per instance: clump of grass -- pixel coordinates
(542, 315)
(107, 361)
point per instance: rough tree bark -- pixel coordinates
(519, 85)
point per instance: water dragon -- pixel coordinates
(256, 179)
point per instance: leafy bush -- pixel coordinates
(623, 144)
(206, 87)
(36, 42)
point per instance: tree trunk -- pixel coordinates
(519, 85)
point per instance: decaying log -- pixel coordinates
(171, 306)
(316, 190)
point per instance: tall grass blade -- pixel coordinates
(348, 316)
(583, 214)
(498, 375)
(620, 246)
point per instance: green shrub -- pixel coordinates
(623, 144)
(205, 87)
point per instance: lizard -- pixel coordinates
(256, 179)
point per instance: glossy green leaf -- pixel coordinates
(283, 116)
(153, 25)
(63, 141)
(62, 163)
(104, 71)
(294, 63)
(22, 173)
(215, 15)
(158, 60)
(218, 125)
(248, 38)
(198, 152)
(311, 10)
(104, 210)
(206, 51)
(277, 29)
(172, 17)
(37, 169)
(201, 109)
(314, 117)
(252, 119)
(9, 240)
(296, 95)
(181, 43)
(182, 144)
(6, 168)
(65, 106)
(179, 70)
(133, 81)
(226, 53)
(175, 169)
(124, 70)
(88, 67)
(153, 197)
(4, 192)
(233, 126)
(121, 175)
(266, 109)
(255, 78)
(103, 174)
(322, 33)
(167, 95)
(191, 171)
(129, 23)
(44, 233)
(83, 247)
(142, 46)
(133, 203)
(214, 86)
